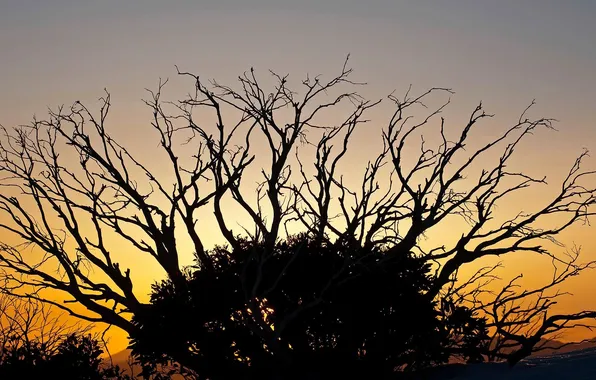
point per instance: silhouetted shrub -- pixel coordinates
(329, 310)
(74, 357)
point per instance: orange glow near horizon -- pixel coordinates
(505, 56)
(536, 269)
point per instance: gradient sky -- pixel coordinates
(503, 52)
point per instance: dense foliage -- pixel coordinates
(76, 356)
(336, 310)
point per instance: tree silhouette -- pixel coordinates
(36, 343)
(519, 317)
(67, 185)
(327, 308)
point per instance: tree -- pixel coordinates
(403, 194)
(371, 317)
(37, 343)
(519, 318)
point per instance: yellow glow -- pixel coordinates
(52, 57)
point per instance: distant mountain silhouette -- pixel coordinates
(124, 361)
(121, 359)
(591, 343)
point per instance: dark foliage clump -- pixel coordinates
(325, 309)
(76, 356)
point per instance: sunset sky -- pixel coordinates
(504, 53)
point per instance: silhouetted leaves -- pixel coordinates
(332, 309)
(75, 357)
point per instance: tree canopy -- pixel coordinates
(357, 280)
